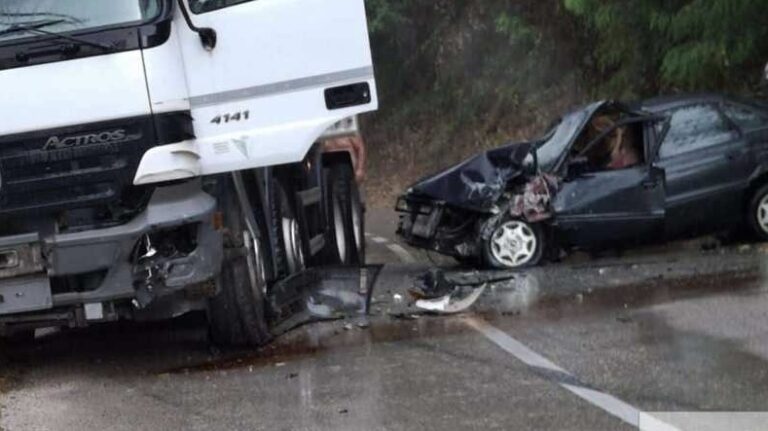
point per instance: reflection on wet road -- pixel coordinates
(662, 331)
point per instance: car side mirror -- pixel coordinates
(578, 166)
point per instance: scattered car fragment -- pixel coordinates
(608, 174)
(450, 293)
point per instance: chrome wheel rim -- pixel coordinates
(762, 214)
(357, 224)
(513, 244)
(338, 229)
(292, 241)
(256, 270)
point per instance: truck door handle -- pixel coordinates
(731, 155)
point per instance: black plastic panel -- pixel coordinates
(86, 166)
(348, 95)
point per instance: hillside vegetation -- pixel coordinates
(457, 76)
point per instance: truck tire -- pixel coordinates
(289, 249)
(358, 220)
(346, 236)
(237, 314)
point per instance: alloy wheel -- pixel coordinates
(762, 214)
(514, 244)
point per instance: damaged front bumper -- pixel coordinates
(437, 227)
(419, 220)
(460, 232)
(149, 264)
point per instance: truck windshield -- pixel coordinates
(72, 15)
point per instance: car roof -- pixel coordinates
(663, 103)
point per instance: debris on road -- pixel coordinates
(451, 304)
(450, 293)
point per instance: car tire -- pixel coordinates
(237, 314)
(514, 244)
(757, 217)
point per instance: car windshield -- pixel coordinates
(71, 15)
(556, 140)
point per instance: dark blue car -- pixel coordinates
(609, 174)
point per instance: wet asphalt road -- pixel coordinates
(582, 345)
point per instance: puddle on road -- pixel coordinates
(327, 337)
(655, 291)
(524, 296)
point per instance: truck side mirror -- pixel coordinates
(208, 36)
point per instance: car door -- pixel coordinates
(613, 207)
(707, 167)
(281, 73)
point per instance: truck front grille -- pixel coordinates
(89, 166)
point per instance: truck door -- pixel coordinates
(282, 72)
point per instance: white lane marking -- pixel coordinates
(607, 402)
(402, 253)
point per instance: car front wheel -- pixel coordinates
(514, 244)
(758, 213)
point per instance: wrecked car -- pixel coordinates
(606, 175)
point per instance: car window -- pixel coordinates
(694, 127)
(745, 117)
(202, 6)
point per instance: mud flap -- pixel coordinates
(319, 294)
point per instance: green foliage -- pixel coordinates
(645, 46)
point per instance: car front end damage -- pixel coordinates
(457, 211)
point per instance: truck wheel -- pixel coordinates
(514, 244)
(757, 217)
(346, 237)
(237, 315)
(358, 221)
(290, 252)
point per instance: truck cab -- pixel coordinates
(163, 156)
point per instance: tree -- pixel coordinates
(645, 46)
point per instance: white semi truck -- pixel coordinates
(164, 156)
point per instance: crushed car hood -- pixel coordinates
(476, 183)
(479, 182)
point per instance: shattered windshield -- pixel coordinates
(71, 15)
(557, 139)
